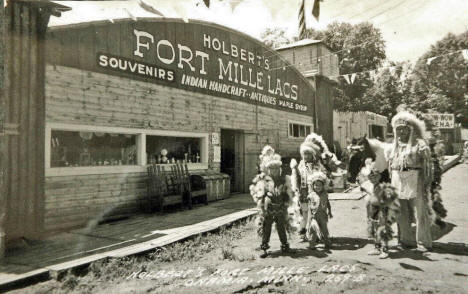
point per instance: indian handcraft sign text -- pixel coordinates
(194, 56)
(235, 71)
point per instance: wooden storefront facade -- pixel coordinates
(119, 93)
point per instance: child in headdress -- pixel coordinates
(319, 211)
(272, 195)
(383, 208)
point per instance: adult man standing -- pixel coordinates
(411, 173)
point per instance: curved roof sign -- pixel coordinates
(194, 56)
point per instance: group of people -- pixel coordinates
(300, 202)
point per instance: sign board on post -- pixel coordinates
(216, 154)
(215, 138)
(441, 120)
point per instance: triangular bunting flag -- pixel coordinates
(465, 53)
(207, 3)
(233, 4)
(346, 77)
(429, 60)
(353, 77)
(148, 7)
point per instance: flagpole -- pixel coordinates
(302, 20)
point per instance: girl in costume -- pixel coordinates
(319, 211)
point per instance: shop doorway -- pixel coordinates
(232, 157)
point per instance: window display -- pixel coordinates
(166, 150)
(81, 148)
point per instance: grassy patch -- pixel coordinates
(219, 242)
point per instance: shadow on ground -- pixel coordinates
(438, 232)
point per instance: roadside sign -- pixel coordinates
(441, 120)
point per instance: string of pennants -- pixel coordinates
(351, 77)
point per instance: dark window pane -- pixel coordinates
(295, 130)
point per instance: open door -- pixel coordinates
(232, 157)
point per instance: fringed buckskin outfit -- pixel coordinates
(384, 211)
(273, 199)
(412, 174)
(383, 208)
(317, 218)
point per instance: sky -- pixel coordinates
(408, 27)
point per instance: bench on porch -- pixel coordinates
(171, 187)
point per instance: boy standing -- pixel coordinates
(270, 192)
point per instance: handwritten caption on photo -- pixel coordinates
(201, 277)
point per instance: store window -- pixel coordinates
(81, 148)
(299, 130)
(165, 149)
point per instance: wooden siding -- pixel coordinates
(312, 59)
(77, 96)
(355, 124)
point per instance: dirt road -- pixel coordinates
(231, 264)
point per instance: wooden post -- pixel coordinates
(22, 115)
(2, 121)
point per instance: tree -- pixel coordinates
(274, 37)
(385, 94)
(390, 88)
(442, 84)
(359, 48)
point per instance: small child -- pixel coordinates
(270, 191)
(382, 207)
(319, 211)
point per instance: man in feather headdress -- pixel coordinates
(273, 196)
(411, 168)
(315, 157)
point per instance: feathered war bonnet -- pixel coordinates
(268, 158)
(417, 131)
(314, 144)
(417, 126)
(320, 177)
